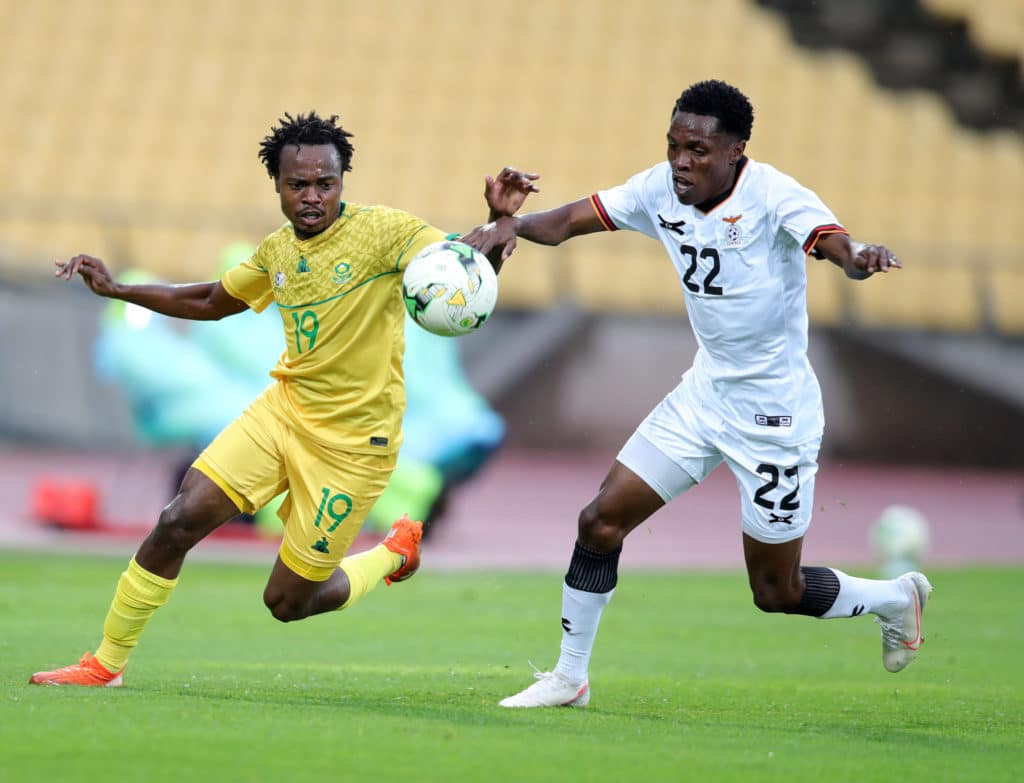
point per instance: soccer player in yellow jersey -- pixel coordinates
(327, 430)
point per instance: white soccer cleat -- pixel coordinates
(552, 689)
(901, 633)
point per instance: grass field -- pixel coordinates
(689, 682)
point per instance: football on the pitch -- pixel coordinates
(900, 537)
(450, 289)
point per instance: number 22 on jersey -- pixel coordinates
(690, 253)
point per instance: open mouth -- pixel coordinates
(681, 186)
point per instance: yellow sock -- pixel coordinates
(139, 594)
(367, 569)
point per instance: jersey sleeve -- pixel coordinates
(250, 281)
(624, 206)
(802, 215)
(402, 236)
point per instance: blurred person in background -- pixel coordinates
(326, 431)
(737, 232)
(183, 386)
(177, 394)
(450, 431)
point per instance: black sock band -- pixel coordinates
(821, 589)
(593, 572)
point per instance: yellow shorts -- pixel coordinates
(330, 493)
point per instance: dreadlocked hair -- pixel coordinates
(714, 98)
(305, 129)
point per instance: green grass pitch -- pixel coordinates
(690, 682)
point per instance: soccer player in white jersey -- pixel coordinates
(737, 232)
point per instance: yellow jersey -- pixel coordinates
(339, 294)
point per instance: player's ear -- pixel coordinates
(737, 152)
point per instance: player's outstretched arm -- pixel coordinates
(196, 302)
(550, 227)
(857, 259)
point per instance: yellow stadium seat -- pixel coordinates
(825, 293)
(147, 127)
(1006, 295)
(997, 25)
(925, 298)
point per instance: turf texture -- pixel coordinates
(689, 681)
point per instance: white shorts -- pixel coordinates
(681, 441)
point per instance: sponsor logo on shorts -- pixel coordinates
(321, 546)
(763, 420)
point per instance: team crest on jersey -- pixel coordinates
(342, 273)
(733, 233)
(279, 279)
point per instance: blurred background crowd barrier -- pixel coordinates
(132, 128)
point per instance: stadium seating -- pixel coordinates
(133, 128)
(997, 25)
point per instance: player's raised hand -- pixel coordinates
(506, 193)
(93, 271)
(874, 258)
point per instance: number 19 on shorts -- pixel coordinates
(336, 506)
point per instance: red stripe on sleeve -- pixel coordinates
(817, 233)
(602, 214)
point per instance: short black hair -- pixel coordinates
(305, 129)
(714, 98)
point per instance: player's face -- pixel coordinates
(703, 159)
(310, 187)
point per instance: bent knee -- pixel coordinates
(281, 608)
(599, 529)
(174, 531)
(775, 598)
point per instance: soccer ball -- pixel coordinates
(450, 289)
(900, 538)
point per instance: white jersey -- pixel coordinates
(742, 266)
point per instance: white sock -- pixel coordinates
(581, 614)
(859, 596)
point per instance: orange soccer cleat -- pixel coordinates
(88, 671)
(404, 539)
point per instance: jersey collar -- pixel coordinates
(711, 203)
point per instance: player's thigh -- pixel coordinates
(330, 495)
(776, 484)
(672, 449)
(246, 460)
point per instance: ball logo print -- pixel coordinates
(450, 289)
